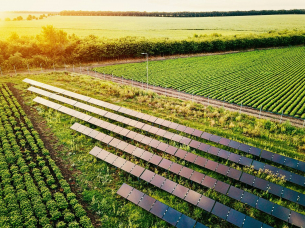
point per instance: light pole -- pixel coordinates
(146, 68)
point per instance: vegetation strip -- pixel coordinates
(33, 190)
(154, 206)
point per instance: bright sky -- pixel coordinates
(148, 5)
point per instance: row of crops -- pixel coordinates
(33, 191)
(272, 80)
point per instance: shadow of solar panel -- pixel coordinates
(180, 191)
(146, 140)
(249, 199)
(181, 128)
(172, 216)
(124, 190)
(236, 218)
(171, 150)
(206, 135)
(245, 161)
(297, 179)
(159, 209)
(157, 180)
(147, 175)
(185, 140)
(186, 172)
(128, 166)
(103, 154)
(247, 179)
(190, 157)
(197, 177)
(168, 186)
(206, 203)
(261, 184)
(192, 197)
(186, 222)
(119, 162)
(223, 154)
(204, 147)
(110, 158)
(137, 171)
(213, 150)
(194, 144)
(147, 202)
(215, 138)
(155, 159)
(264, 205)
(221, 187)
(275, 189)
(173, 125)
(220, 210)
(255, 151)
(189, 130)
(211, 165)
(175, 168)
(135, 196)
(297, 219)
(197, 133)
(201, 161)
(165, 164)
(234, 174)
(154, 143)
(222, 169)
(180, 153)
(209, 182)
(146, 156)
(235, 193)
(281, 212)
(290, 195)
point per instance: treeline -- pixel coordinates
(54, 46)
(180, 14)
(29, 18)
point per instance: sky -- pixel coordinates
(149, 5)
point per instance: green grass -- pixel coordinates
(150, 27)
(99, 181)
(271, 79)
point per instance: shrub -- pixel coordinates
(85, 222)
(79, 211)
(73, 224)
(69, 217)
(61, 224)
(44, 221)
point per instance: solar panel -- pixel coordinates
(135, 196)
(194, 144)
(278, 159)
(233, 173)
(301, 166)
(267, 155)
(297, 179)
(166, 123)
(171, 150)
(249, 199)
(286, 174)
(197, 177)
(139, 115)
(290, 195)
(215, 138)
(261, 184)
(190, 157)
(199, 225)
(118, 130)
(175, 168)
(124, 190)
(124, 132)
(201, 161)
(152, 119)
(110, 158)
(180, 153)
(103, 154)
(234, 144)
(157, 180)
(180, 191)
(119, 162)
(220, 210)
(275, 189)
(213, 150)
(223, 154)
(173, 125)
(251, 223)
(204, 147)
(172, 216)
(264, 205)
(122, 145)
(290, 162)
(137, 171)
(159, 209)
(235, 193)
(185, 141)
(224, 141)
(168, 186)
(255, 151)
(154, 143)
(192, 197)
(161, 132)
(75, 126)
(146, 127)
(139, 125)
(206, 203)
(236, 218)
(186, 172)
(206, 135)
(155, 159)
(147, 175)
(126, 121)
(186, 222)
(146, 140)
(128, 166)
(169, 135)
(211, 165)
(130, 148)
(258, 165)
(181, 128)
(177, 138)
(138, 152)
(244, 148)
(114, 142)
(147, 202)
(271, 168)
(209, 182)
(189, 130)
(281, 212)
(95, 151)
(222, 169)
(159, 121)
(197, 133)
(146, 156)
(139, 137)
(297, 219)
(301, 199)
(245, 161)
(247, 178)
(221, 187)
(165, 164)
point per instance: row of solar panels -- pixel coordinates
(168, 214)
(280, 159)
(251, 180)
(219, 186)
(178, 190)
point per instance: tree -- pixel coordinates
(16, 60)
(19, 18)
(29, 17)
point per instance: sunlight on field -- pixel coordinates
(150, 27)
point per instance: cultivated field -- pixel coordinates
(150, 27)
(269, 79)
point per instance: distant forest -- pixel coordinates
(181, 14)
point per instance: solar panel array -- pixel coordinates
(205, 163)
(163, 211)
(209, 205)
(277, 158)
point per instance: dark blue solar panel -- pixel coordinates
(249, 199)
(258, 165)
(245, 161)
(235, 193)
(206, 203)
(234, 144)
(236, 218)
(199, 225)
(159, 209)
(244, 148)
(186, 222)
(220, 210)
(251, 223)
(215, 138)
(224, 154)
(301, 199)
(261, 184)
(284, 174)
(271, 168)
(234, 157)
(297, 219)
(301, 166)
(255, 151)
(278, 159)
(297, 179)
(264, 205)
(206, 135)
(275, 189)
(247, 179)
(172, 216)
(234, 173)
(290, 162)
(221, 187)
(266, 155)
(222, 169)
(281, 212)
(204, 147)
(290, 195)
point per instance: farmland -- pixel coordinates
(268, 79)
(150, 27)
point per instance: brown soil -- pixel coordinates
(51, 143)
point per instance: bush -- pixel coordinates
(73, 225)
(61, 224)
(69, 217)
(79, 211)
(44, 221)
(85, 222)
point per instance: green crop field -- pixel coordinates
(271, 79)
(151, 27)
